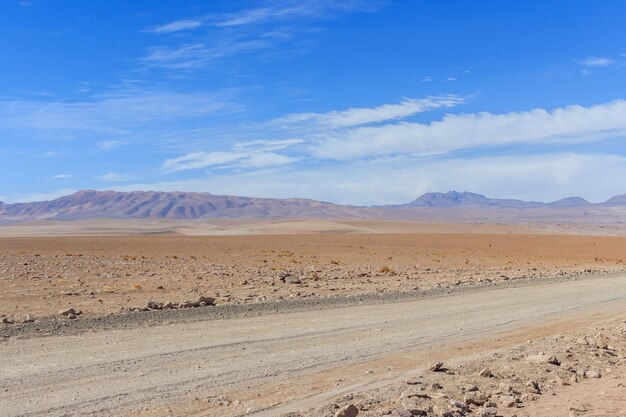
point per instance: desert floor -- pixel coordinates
(311, 320)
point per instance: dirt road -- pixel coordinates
(284, 361)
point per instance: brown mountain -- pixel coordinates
(168, 205)
(439, 207)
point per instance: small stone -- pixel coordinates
(347, 411)
(508, 401)
(533, 386)
(471, 388)
(486, 372)
(67, 312)
(488, 412)
(71, 316)
(529, 397)
(436, 367)
(593, 374)
(401, 412)
(7, 320)
(474, 397)
(602, 341)
(28, 319)
(209, 301)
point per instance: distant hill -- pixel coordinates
(450, 206)
(569, 202)
(168, 205)
(467, 200)
(619, 200)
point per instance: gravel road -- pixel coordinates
(118, 371)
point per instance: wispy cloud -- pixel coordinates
(361, 116)
(112, 119)
(218, 36)
(176, 26)
(595, 61)
(196, 160)
(288, 10)
(109, 144)
(115, 177)
(565, 125)
(62, 176)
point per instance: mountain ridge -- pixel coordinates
(86, 204)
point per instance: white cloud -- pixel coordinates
(361, 116)
(196, 160)
(303, 9)
(565, 125)
(115, 177)
(177, 26)
(594, 61)
(394, 180)
(62, 176)
(109, 144)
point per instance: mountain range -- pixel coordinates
(90, 204)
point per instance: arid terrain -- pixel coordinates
(304, 318)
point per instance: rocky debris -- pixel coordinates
(349, 410)
(401, 412)
(8, 320)
(488, 412)
(486, 372)
(202, 301)
(543, 358)
(70, 313)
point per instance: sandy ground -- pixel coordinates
(309, 317)
(107, 274)
(292, 361)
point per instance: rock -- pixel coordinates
(529, 397)
(533, 386)
(7, 320)
(460, 405)
(413, 381)
(543, 359)
(486, 372)
(347, 411)
(592, 374)
(67, 312)
(507, 401)
(28, 319)
(474, 397)
(488, 412)
(153, 305)
(209, 301)
(410, 393)
(417, 412)
(71, 316)
(292, 280)
(436, 367)
(471, 388)
(602, 341)
(401, 412)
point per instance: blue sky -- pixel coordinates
(352, 101)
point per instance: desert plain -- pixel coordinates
(311, 318)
